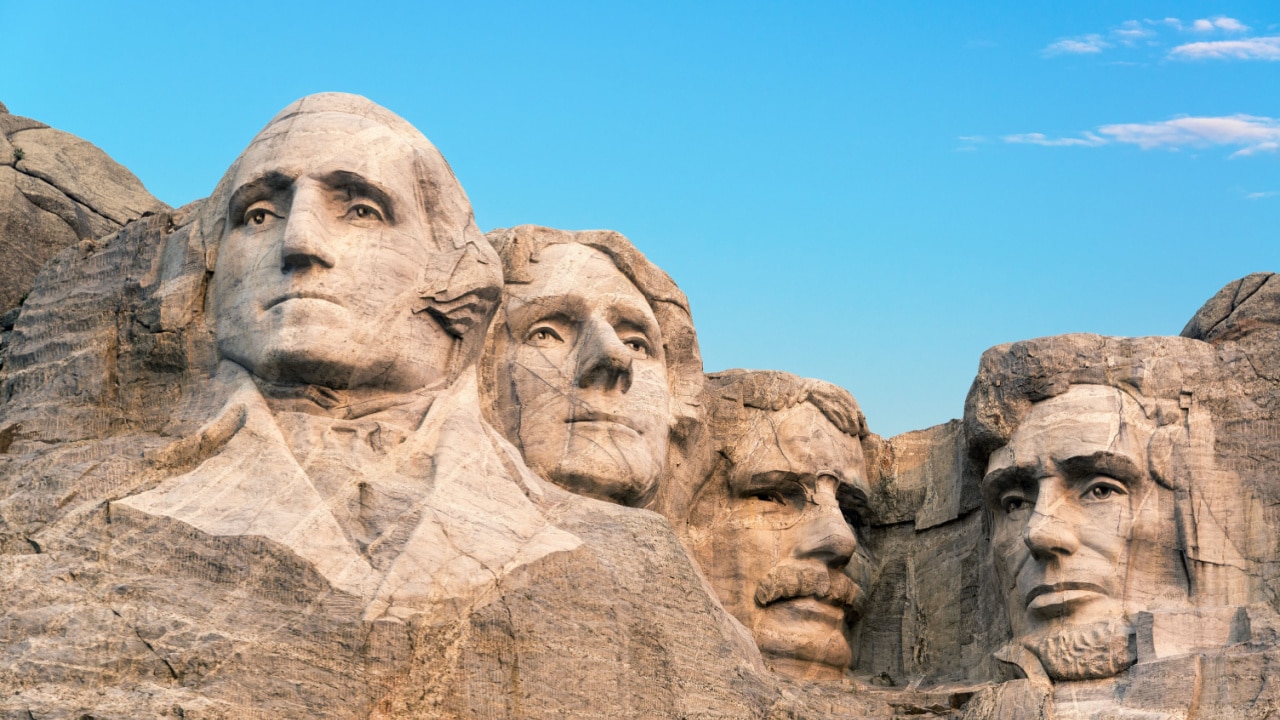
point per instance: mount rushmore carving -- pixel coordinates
(316, 446)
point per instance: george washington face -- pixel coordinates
(323, 258)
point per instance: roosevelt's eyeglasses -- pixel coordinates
(783, 507)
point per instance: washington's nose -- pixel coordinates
(827, 536)
(1048, 533)
(306, 239)
(603, 360)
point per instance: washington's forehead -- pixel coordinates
(325, 142)
(572, 268)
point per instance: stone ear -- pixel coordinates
(467, 298)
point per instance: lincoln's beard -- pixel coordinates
(1085, 652)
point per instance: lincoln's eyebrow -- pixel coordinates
(255, 189)
(357, 185)
(1111, 464)
(997, 480)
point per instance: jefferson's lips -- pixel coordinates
(602, 417)
(304, 295)
(1061, 595)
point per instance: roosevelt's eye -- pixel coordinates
(772, 497)
(543, 336)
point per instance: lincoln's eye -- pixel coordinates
(1013, 504)
(544, 336)
(1101, 492)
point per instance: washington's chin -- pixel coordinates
(597, 481)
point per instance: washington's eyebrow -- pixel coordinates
(357, 185)
(265, 184)
(1103, 463)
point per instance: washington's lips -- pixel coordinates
(594, 416)
(302, 295)
(1059, 596)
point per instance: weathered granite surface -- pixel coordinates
(56, 190)
(316, 447)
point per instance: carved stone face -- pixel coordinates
(1082, 534)
(774, 538)
(582, 381)
(322, 259)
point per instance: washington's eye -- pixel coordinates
(258, 214)
(362, 211)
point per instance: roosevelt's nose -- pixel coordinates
(307, 242)
(603, 360)
(825, 535)
(1050, 531)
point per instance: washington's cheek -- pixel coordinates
(648, 401)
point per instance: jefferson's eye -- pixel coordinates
(637, 345)
(543, 336)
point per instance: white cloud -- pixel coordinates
(1089, 140)
(1220, 22)
(1261, 195)
(1084, 44)
(1258, 48)
(1131, 31)
(1252, 134)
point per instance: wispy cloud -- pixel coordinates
(1089, 140)
(1252, 134)
(1261, 195)
(1258, 48)
(1226, 24)
(1134, 34)
(1082, 45)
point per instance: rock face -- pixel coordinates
(56, 190)
(316, 447)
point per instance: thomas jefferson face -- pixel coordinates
(776, 536)
(582, 381)
(1082, 533)
(323, 255)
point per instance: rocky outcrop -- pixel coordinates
(56, 190)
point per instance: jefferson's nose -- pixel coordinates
(307, 242)
(1048, 532)
(825, 534)
(603, 360)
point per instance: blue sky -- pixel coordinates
(867, 193)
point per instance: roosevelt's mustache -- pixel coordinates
(785, 582)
